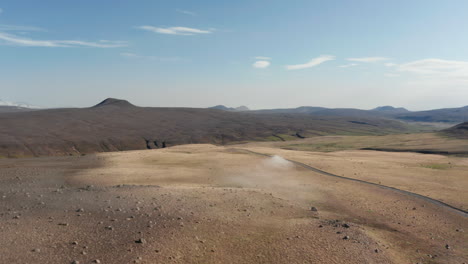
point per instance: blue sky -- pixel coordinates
(263, 54)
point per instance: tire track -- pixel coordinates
(425, 198)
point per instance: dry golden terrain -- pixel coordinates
(212, 204)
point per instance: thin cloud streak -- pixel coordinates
(312, 63)
(185, 12)
(437, 73)
(184, 31)
(368, 59)
(4, 27)
(20, 41)
(130, 55)
(262, 58)
(261, 64)
(348, 65)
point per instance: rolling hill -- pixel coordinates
(458, 131)
(447, 115)
(114, 125)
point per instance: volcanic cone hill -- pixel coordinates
(115, 125)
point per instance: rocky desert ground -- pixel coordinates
(229, 204)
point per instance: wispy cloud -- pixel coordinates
(19, 28)
(390, 64)
(369, 59)
(262, 58)
(437, 72)
(131, 55)
(261, 64)
(185, 31)
(312, 63)
(186, 12)
(20, 41)
(437, 67)
(348, 65)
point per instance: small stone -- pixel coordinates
(75, 262)
(447, 246)
(376, 251)
(346, 237)
(96, 261)
(345, 226)
(36, 250)
(314, 209)
(140, 241)
(74, 243)
(81, 210)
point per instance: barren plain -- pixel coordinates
(225, 204)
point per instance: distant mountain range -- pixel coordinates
(115, 124)
(458, 131)
(446, 115)
(222, 107)
(8, 107)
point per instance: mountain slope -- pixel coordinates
(447, 115)
(118, 125)
(225, 108)
(458, 131)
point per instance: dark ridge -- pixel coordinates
(241, 108)
(114, 102)
(361, 123)
(421, 151)
(115, 125)
(458, 131)
(388, 108)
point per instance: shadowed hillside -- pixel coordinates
(446, 115)
(11, 109)
(458, 131)
(115, 125)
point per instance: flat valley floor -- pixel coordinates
(215, 204)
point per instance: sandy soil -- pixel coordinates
(207, 204)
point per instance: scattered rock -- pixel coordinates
(314, 209)
(345, 226)
(447, 246)
(140, 241)
(81, 210)
(36, 250)
(346, 237)
(96, 261)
